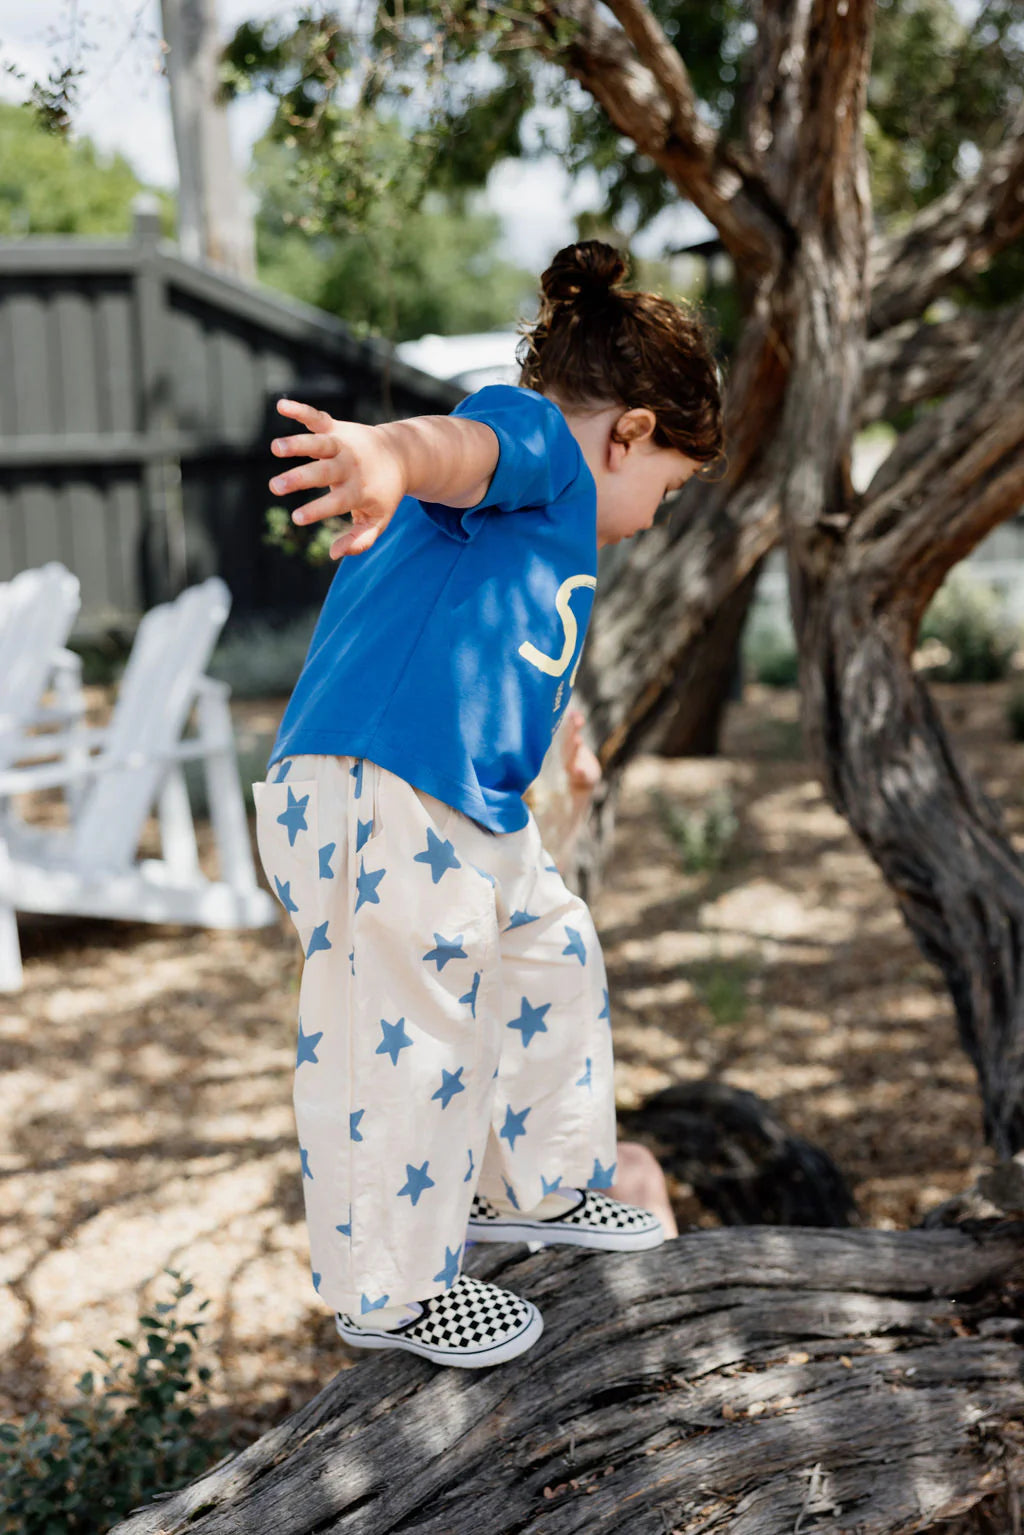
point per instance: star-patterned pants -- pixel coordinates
(454, 1027)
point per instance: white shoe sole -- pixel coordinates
(552, 1232)
(462, 1359)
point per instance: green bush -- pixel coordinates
(702, 837)
(965, 616)
(85, 1472)
(770, 654)
(263, 660)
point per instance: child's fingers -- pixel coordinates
(316, 420)
(356, 540)
(308, 445)
(333, 504)
(321, 471)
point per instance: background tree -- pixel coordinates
(763, 117)
(50, 184)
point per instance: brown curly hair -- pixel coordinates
(595, 341)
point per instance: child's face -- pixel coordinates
(632, 473)
(629, 495)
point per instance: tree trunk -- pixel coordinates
(703, 685)
(755, 1382)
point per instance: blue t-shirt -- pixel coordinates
(446, 652)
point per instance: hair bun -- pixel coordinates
(587, 270)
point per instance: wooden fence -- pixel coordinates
(137, 399)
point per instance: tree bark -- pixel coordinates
(753, 1381)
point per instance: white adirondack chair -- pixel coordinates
(93, 868)
(37, 610)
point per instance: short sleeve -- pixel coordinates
(538, 457)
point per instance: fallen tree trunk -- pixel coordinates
(757, 1381)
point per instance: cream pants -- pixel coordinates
(454, 1029)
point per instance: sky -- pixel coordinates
(124, 107)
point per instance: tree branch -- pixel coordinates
(953, 236)
(919, 361)
(650, 100)
(952, 477)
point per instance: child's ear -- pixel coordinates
(632, 427)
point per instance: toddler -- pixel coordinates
(454, 1063)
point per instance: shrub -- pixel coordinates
(87, 1471)
(262, 660)
(965, 616)
(770, 654)
(702, 837)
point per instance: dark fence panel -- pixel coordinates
(136, 409)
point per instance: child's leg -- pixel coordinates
(397, 1046)
(554, 1113)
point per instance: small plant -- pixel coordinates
(965, 616)
(703, 837)
(769, 653)
(87, 1471)
(724, 991)
(258, 659)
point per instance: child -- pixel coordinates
(454, 1063)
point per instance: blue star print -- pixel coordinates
(470, 998)
(324, 854)
(530, 1020)
(550, 1184)
(520, 919)
(575, 945)
(318, 940)
(417, 1179)
(447, 948)
(585, 1080)
(316, 1281)
(514, 1126)
(307, 1047)
(510, 1194)
(294, 817)
(283, 769)
(606, 1011)
(451, 1084)
(450, 1271)
(346, 1229)
(304, 1154)
(439, 855)
(353, 1124)
(357, 774)
(284, 894)
(395, 1039)
(366, 886)
(470, 1173)
(602, 1177)
(366, 1304)
(363, 830)
(484, 875)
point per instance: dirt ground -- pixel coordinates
(146, 1089)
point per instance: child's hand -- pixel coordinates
(581, 766)
(366, 475)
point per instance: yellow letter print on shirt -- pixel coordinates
(556, 666)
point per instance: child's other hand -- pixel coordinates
(366, 477)
(581, 766)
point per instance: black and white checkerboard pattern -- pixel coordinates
(595, 1212)
(473, 1323)
(471, 1315)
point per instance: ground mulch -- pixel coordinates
(146, 1088)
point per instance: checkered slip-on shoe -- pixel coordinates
(595, 1221)
(471, 1325)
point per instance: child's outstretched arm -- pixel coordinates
(368, 469)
